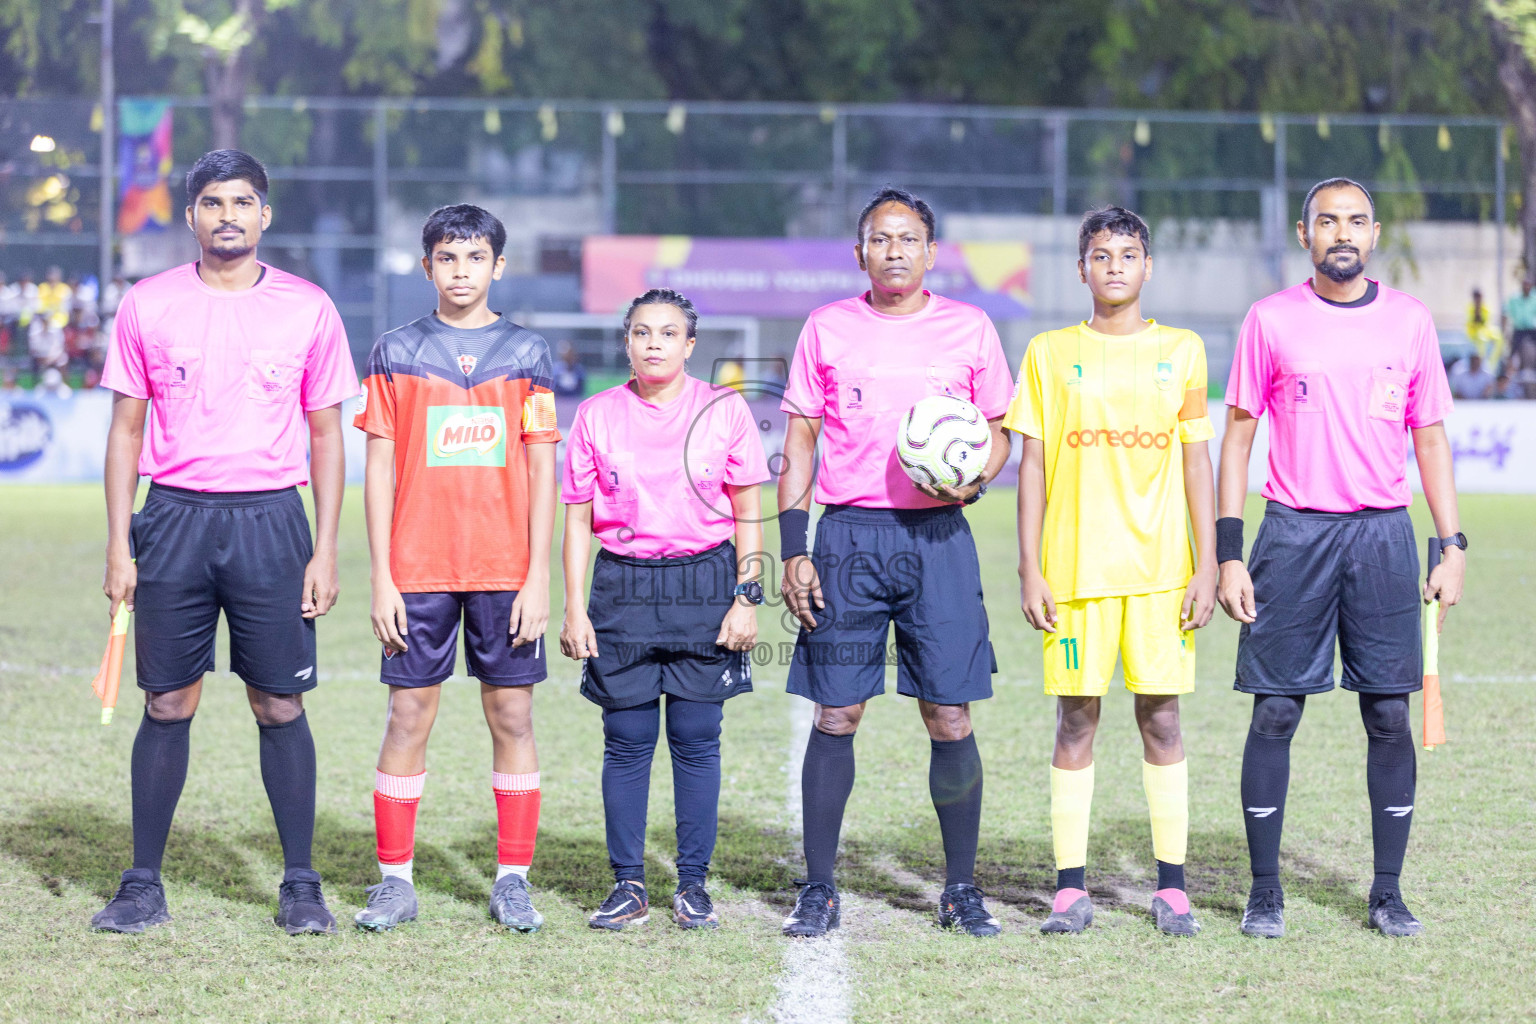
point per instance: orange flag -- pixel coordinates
(1434, 710)
(111, 672)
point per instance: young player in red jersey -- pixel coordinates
(461, 514)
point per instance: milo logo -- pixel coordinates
(466, 435)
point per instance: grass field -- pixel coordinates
(65, 837)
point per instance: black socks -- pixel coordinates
(1391, 773)
(826, 779)
(160, 754)
(288, 772)
(1266, 776)
(954, 781)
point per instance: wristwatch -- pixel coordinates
(751, 590)
(981, 489)
(1455, 540)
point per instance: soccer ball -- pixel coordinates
(943, 440)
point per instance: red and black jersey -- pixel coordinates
(448, 398)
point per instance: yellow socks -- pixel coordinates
(1071, 800)
(1167, 787)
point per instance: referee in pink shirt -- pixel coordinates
(229, 376)
(1345, 368)
(887, 551)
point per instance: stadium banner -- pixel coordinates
(787, 277)
(64, 440)
(144, 166)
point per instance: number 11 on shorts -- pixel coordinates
(1069, 652)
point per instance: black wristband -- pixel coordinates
(1229, 539)
(794, 524)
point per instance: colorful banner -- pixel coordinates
(143, 166)
(787, 277)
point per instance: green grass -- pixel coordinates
(65, 835)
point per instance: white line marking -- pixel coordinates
(813, 984)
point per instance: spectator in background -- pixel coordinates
(1473, 381)
(1481, 331)
(9, 392)
(26, 302)
(52, 385)
(111, 298)
(10, 312)
(91, 379)
(1520, 322)
(45, 332)
(79, 338)
(570, 375)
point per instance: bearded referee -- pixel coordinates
(1345, 367)
(229, 376)
(886, 550)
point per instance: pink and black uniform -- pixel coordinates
(229, 376)
(885, 551)
(1335, 559)
(656, 476)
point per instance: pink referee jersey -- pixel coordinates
(1343, 386)
(229, 377)
(655, 473)
(861, 370)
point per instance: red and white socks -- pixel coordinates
(395, 799)
(517, 821)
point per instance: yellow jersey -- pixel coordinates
(1113, 413)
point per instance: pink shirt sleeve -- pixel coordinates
(1429, 393)
(329, 376)
(124, 370)
(991, 381)
(746, 463)
(580, 477)
(1252, 369)
(806, 392)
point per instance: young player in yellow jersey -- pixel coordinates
(1115, 470)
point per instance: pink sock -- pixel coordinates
(1065, 898)
(1178, 899)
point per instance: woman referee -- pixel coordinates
(662, 470)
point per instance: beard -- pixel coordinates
(1341, 271)
(229, 250)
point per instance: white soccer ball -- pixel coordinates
(944, 440)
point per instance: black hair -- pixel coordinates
(665, 297)
(1117, 220)
(901, 197)
(462, 223)
(1327, 183)
(226, 165)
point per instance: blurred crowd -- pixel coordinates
(56, 329)
(1502, 361)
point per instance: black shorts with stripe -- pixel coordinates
(1326, 578)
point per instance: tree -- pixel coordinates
(1514, 30)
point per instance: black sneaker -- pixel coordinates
(627, 904)
(692, 907)
(1265, 916)
(817, 911)
(138, 903)
(1390, 916)
(301, 906)
(961, 907)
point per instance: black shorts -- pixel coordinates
(432, 639)
(656, 621)
(1321, 577)
(240, 552)
(916, 568)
